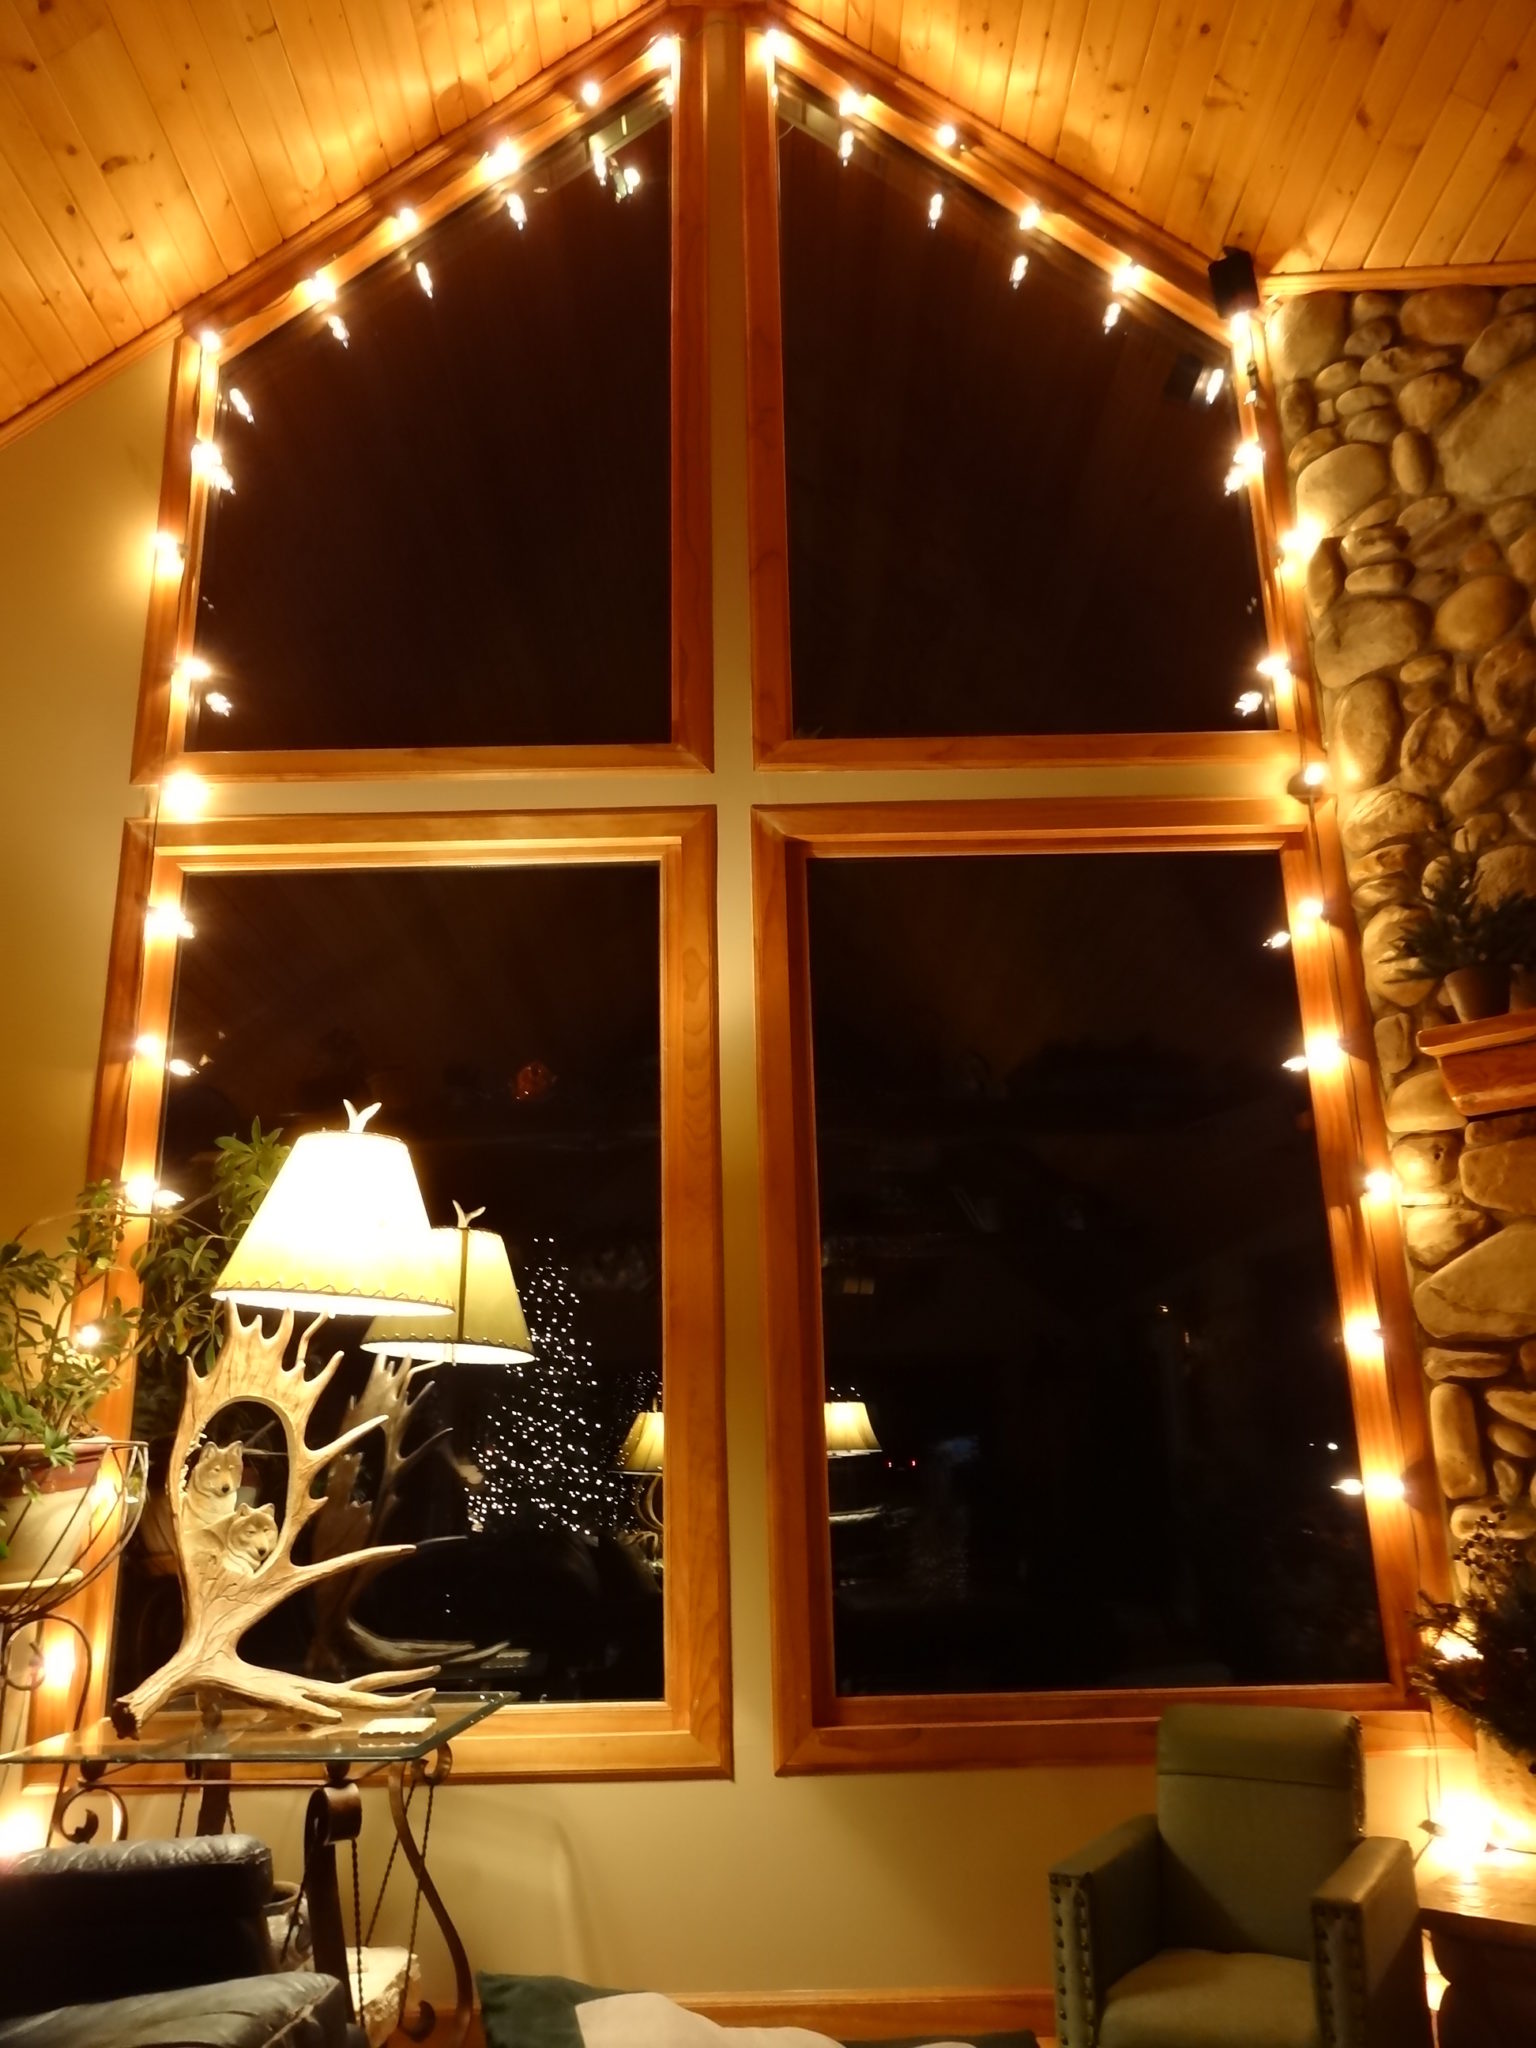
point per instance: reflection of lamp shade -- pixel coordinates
(849, 1429)
(644, 1445)
(487, 1327)
(343, 1229)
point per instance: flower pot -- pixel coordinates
(45, 1511)
(1504, 1778)
(1479, 991)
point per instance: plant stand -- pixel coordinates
(1489, 1067)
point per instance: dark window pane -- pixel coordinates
(1001, 518)
(1075, 1263)
(508, 1019)
(455, 530)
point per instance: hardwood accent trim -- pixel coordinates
(538, 117)
(1488, 1067)
(1077, 215)
(689, 1733)
(767, 489)
(814, 1728)
(1260, 747)
(1409, 277)
(880, 2015)
(109, 1109)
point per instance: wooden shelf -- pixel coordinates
(1489, 1067)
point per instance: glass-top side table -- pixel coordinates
(405, 1745)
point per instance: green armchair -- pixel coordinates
(1251, 1912)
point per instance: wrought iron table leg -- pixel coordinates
(431, 1771)
(334, 1814)
(213, 1805)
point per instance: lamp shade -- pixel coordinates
(849, 1429)
(487, 1326)
(646, 1442)
(343, 1230)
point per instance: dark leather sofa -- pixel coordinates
(154, 1945)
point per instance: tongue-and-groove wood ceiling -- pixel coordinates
(150, 150)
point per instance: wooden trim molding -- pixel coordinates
(437, 181)
(688, 1734)
(816, 1729)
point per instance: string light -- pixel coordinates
(1296, 1064)
(1249, 702)
(424, 278)
(242, 405)
(407, 221)
(216, 702)
(1211, 382)
(210, 341)
(1277, 942)
(87, 1337)
(1380, 1185)
(501, 161)
(1363, 1340)
(1125, 277)
(1314, 775)
(184, 795)
(946, 135)
(845, 146)
(141, 1192)
(182, 1069)
(1031, 216)
(1112, 315)
(517, 210)
(591, 92)
(935, 209)
(631, 178)
(208, 463)
(339, 328)
(1300, 544)
(599, 162)
(1324, 1053)
(321, 289)
(1247, 466)
(167, 921)
(169, 555)
(59, 1661)
(148, 1046)
(1018, 272)
(1354, 1488)
(192, 669)
(850, 103)
(1277, 667)
(1310, 910)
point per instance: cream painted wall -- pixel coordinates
(754, 1885)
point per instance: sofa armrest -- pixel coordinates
(1367, 1952)
(161, 1915)
(1104, 1921)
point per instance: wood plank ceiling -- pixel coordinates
(152, 149)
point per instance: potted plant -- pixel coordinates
(1479, 1657)
(53, 1374)
(1470, 945)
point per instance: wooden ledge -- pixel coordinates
(1489, 1065)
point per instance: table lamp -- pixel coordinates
(486, 1326)
(849, 1430)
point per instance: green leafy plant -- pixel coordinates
(1479, 1654)
(1459, 929)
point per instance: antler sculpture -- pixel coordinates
(236, 1562)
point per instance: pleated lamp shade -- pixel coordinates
(343, 1230)
(487, 1326)
(646, 1442)
(849, 1429)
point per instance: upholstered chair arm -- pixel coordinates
(1104, 1921)
(1367, 1954)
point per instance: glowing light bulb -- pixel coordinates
(1385, 1486)
(216, 702)
(184, 795)
(1455, 1649)
(1354, 1488)
(167, 1198)
(850, 103)
(166, 921)
(1300, 543)
(1315, 774)
(501, 160)
(1249, 702)
(87, 1337)
(1213, 383)
(192, 669)
(935, 209)
(664, 52)
(59, 1661)
(517, 210)
(139, 1192)
(599, 162)
(1310, 910)
(1380, 1185)
(946, 135)
(1031, 216)
(1277, 942)
(1324, 1053)
(1112, 315)
(1019, 271)
(1247, 466)
(407, 221)
(1276, 666)
(845, 143)
(1296, 1064)
(149, 1046)
(591, 92)
(1362, 1339)
(321, 289)
(424, 278)
(776, 44)
(339, 328)
(1125, 277)
(242, 405)
(631, 178)
(208, 463)
(169, 555)
(182, 1069)
(210, 341)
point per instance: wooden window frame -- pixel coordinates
(815, 1728)
(1009, 176)
(688, 1733)
(436, 182)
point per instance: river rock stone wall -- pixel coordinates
(1409, 426)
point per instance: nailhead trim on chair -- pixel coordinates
(1071, 1892)
(1349, 1922)
(1357, 1774)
